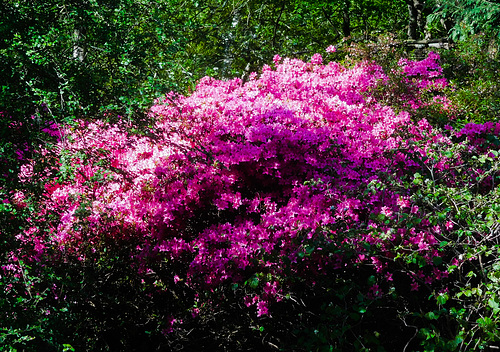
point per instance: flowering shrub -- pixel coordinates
(303, 179)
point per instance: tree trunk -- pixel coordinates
(346, 24)
(78, 49)
(416, 24)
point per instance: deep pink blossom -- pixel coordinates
(244, 178)
(331, 49)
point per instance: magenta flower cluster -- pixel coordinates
(250, 180)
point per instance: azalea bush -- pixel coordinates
(313, 207)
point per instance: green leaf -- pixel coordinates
(437, 261)
(493, 303)
(442, 298)
(484, 322)
(432, 316)
(68, 348)
(253, 282)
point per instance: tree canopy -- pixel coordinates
(468, 17)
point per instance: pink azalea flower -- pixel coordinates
(331, 49)
(262, 308)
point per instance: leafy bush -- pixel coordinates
(310, 208)
(472, 68)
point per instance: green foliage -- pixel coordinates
(470, 17)
(79, 58)
(227, 40)
(465, 316)
(473, 67)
